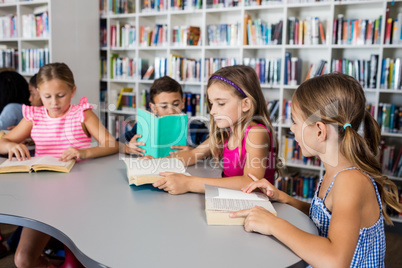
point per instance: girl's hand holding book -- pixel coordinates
(258, 219)
(265, 186)
(20, 151)
(181, 148)
(173, 183)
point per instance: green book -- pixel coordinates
(160, 133)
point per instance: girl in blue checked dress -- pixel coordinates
(348, 207)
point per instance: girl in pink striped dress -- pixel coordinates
(59, 129)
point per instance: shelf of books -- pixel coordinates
(34, 33)
(285, 41)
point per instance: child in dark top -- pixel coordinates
(166, 97)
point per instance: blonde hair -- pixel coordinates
(339, 99)
(55, 70)
(246, 79)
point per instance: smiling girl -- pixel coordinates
(59, 129)
(241, 134)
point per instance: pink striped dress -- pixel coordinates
(52, 136)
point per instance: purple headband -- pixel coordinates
(230, 83)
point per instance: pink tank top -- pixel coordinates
(52, 136)
(233, 163)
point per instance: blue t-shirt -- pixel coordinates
(198, 133)
(11, 115)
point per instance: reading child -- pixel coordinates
(13, 94)
(166, 97)
(348, 205)
(241, 134)
(59, 129)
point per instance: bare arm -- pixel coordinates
(347, 201)
(107, 143)
(255, 164)
(11, 143)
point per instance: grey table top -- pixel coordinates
(108, 223)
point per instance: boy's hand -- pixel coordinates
(147, 157)
(132, 146)
(20, 151)
(173, 183)
(72, 153)
(180, 149)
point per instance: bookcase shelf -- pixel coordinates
(272, 12)
(70, 38)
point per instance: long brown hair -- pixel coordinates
(245, 78)
(340, 100)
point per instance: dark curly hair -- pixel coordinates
(13, 89)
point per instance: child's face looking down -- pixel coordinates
(226, 108)
(56, 96)
(167, 103)
(34, 97)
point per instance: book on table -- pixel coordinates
(36, 163)
(160, 133)
(142, 171)
(220, 202)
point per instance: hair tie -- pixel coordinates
(230, 83)
(347, 125)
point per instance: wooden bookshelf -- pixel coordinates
(272, 12)
(71, 36)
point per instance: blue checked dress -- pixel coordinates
(370, 249)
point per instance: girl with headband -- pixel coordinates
(241, 135)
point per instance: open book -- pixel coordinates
(159, 133)
(220, 202)
(141, 171)
(35, 164)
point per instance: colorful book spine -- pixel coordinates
(184, 69)
(157, 37)
(123, 68)
(298, 186)
(35, 25)
(356, 31)
(267, 69)
(389, 118)
(123, 36)
(9, 58)
(34, 58)
(223, 34)
(214, 64)
(121, 6)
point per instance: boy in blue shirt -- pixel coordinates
(166, 98)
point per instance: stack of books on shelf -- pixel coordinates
(155, 37)
(390, 118)
(214, 64)
(34, 58)
(192, 103)
(102, 34)
(9, 58)
(224, 34)
(36, 24)
(292, 153)
(268, 70)
(184, 69)
(222, 3)
(122, 35)
(248, 3)
(391, 74)
(103, 68)
(364, 71)
(287, 112)
(186, 35)
(300, 187)
(117, 7)
(103, 102)
(391, 159)
(126, 100)
(393, 30)
(186, 4)
(260, 32)
(356, 31)
(154, 5)
(121, 125)
(273, 109)
(8, 26)
(292, 74)
(307, 31)
(122, 67)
